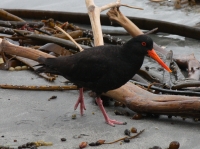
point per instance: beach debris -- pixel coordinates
(137, 116)
(63, 139)
(74, 116)
(133, 130)
(127, 132)
(83, 145)
(52, 97)
(124, 139)
(174, 145)
(156, 147)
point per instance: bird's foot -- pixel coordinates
(81, 101)
(113, 122)
(82, 105)
(107, 119)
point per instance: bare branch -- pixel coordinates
(117, 4)
(94, 14)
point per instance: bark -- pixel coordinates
(142, 101)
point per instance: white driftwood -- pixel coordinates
(94, 14)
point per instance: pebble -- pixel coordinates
(63, 139)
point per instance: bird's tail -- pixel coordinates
(44, 68)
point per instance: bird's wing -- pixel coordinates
(86, 68)
(89, 69)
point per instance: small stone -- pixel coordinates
(156, 147)
(83, 145)
(11, 69)
(133, 130)
(24, 67)
(18, 68)
(127, 132)
(63, 139)
(52, 97)
(15, 140)
(174, 145)
(74, 116)
(92, 144)
(137, 116)
(127, 140)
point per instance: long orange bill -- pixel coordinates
(152, 53)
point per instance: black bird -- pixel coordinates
(102, 68)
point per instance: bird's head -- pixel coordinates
(143, 45)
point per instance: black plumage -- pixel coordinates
(101, 68)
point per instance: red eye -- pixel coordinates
(144, 44)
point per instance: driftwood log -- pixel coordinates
(132, 96)
(8, 16)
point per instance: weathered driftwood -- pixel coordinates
(191, 63)
(29, 53)
(8, 16)
(193, 66)
(142, 101)
(55, 49)
(94, 14)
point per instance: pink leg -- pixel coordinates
(108, 120)
(81, 101)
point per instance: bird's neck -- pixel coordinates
(131, 56)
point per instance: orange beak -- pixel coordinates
(152, 53)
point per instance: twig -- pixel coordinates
(60, 29)
(43, 88)
(111, 5)
(132, 137)
(151, 31)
